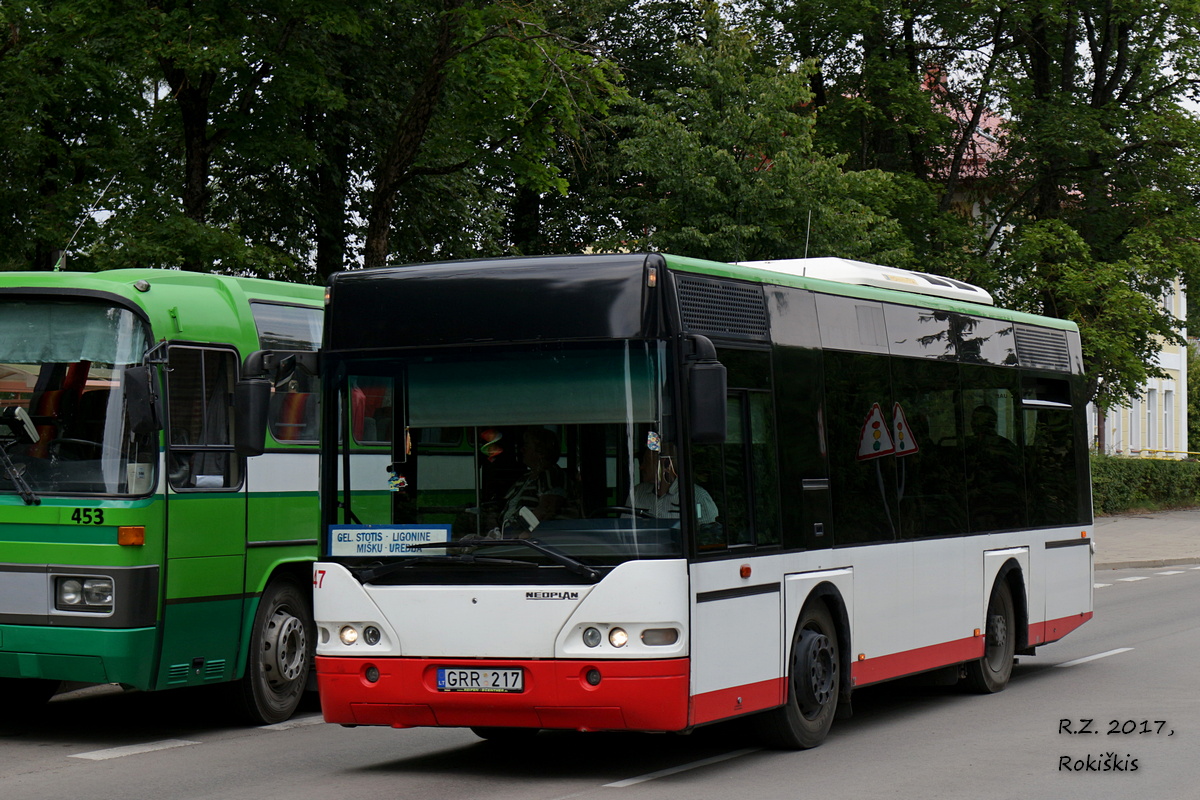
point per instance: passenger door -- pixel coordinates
(206, 519)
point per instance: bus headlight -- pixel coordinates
(84, 593)
(591, 637)
(348, 634)
(98, 592)
(70, 592)
(617, 637)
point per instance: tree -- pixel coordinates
(67, 105)
(721, 164)
(1095, 197)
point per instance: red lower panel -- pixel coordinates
(725, 703)
(923, 659)
(631, 695)
(910, 662)
(1054, 629)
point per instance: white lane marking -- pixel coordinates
(1194, 567)
(133, 749)
(1086, 659)
(295, 722)
(1131, 580)
(662, 773)
(1171, 572)
(1100, 585)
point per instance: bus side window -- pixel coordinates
(741, 476)
(200, 408)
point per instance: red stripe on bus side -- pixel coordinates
(1054, 629)
(726, 703)
(910, 662)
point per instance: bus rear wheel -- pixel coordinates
(281, 654)
(990, 674)
(814, 684)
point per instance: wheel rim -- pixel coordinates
(816, 676)
(997, 640)
(284, 647)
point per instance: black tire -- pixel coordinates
(508, 737)
(990, 674)
(24, 698)
(281, 654)
(813, 687)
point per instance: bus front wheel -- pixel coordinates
(814, 683)
(991, 673)
(281, 647)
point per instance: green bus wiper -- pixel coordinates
(557, 556)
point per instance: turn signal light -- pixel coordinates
(131, 535)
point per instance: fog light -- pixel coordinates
(617, 637)
(371, 635)
(348, 635)
(372, 674)
(591, 637)
(658, 637)
(592, 677)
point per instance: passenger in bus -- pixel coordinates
(543, 489)
(658, 492)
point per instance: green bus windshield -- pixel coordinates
(64, 363)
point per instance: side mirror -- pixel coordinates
(263, 370)
(707, 392)
(141, 400)
(251, 400)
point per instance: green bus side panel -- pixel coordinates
(206, 524)
(46, 534)
(89, 655)
(203, 579)
(200, 643)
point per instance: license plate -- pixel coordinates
(469, 679)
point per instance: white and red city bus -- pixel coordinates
(646, 492)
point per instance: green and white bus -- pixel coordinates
(139, 545)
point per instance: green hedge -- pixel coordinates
(1127, 484)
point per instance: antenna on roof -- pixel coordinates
(62, 258)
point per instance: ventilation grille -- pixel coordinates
(211, 670)
(727, 310)
(1042, 348)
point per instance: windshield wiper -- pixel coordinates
(368, 575)
(557, 556)
(16, 476)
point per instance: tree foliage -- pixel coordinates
(1044, 150)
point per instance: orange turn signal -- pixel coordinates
(131, 535)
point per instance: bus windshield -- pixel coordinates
(565, 447)
(64, 363)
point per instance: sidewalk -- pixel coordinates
(1148, 540)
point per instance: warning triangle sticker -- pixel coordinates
(875, 440)
(902, 435)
